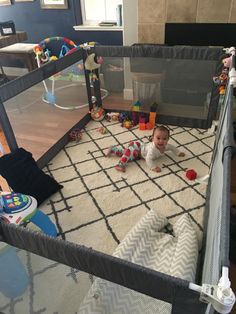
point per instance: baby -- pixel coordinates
(149, 151)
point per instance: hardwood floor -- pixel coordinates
(38, 125)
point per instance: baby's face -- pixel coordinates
(160, 139)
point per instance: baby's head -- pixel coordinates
(160, 137)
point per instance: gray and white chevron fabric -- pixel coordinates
(146, 244)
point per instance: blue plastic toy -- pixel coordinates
(18, 208)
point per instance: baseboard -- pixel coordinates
(128, 93)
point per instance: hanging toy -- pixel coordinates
(227, 62)
(97, 113)
(221, 80)
(91, 65)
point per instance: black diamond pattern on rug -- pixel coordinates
(99, 205)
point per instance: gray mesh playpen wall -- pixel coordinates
(174, 76)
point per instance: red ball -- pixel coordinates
(191, 174)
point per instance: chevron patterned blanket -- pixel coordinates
(146, 244)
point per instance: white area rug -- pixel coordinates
(98, 206)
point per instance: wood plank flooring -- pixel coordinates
(38, 125)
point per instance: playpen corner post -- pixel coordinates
(97, 90)
(87, 82)
(220, 296)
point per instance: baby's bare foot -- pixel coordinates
(157, 169)
(120, 168)
(109, 152)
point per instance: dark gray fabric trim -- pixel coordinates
(20, 84)
(228, 95)
(160, 51)
(183, 121)
(204, 236)
(228, 98)
(226, 203)
(215, 96)
(229, 138)
(88, 84)
(133, 276)
(182, 305)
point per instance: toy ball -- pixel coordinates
(97, 113)
(191, 174)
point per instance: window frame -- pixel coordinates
(92, 22)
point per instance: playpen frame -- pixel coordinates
(176, 291)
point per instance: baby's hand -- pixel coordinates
(157, 169)
(181, 154)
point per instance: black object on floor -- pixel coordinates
(24, 176)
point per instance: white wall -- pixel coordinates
(130, 36)
(130, 18)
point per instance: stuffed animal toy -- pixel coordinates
(90, 63)
(112, 116)
(127, 123)
(123, 116)
(97, 113)
(227, 62)
(75, 135)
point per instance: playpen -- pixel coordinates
(179, 79)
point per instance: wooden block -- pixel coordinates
(142, 126)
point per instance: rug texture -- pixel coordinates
(99, 205)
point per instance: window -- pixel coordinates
(95, 11)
